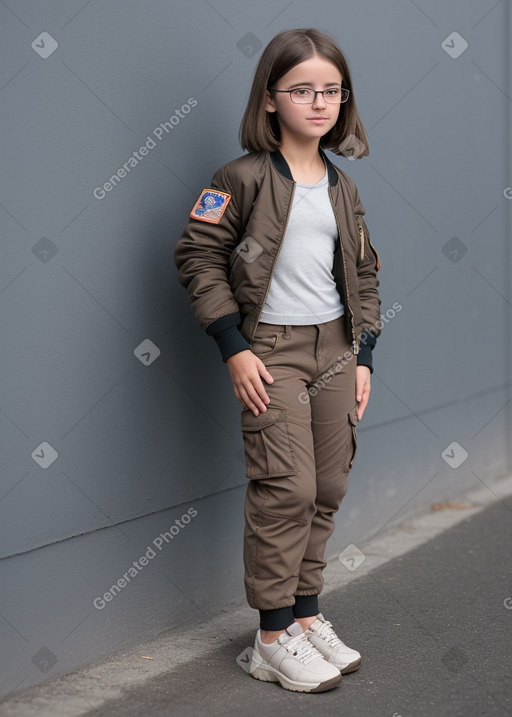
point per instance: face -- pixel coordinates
(303, 122)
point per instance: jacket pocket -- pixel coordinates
(352, 439)
(268, 449)
(364, 235)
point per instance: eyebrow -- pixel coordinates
(310, 84)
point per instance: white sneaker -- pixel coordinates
(294, 662)
(323, 637)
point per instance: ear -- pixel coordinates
(270, 105)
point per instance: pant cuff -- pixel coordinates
(277, 619)
(305, 606)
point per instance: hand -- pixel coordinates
(363, 389)
(246, 371)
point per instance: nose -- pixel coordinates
(319, 100)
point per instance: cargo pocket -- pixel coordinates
(268, 450)
(352, 439)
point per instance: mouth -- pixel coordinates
(318, 120)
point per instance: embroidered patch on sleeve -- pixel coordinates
(210, 206)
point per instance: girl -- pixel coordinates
(281, 272)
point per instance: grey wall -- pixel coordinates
(117, 415)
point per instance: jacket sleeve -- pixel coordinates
(202, 258)
(367, 267)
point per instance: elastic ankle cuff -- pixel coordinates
(277, 619)
(305, 606)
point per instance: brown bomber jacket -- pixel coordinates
(227, 290)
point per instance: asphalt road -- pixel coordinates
(434, 627)
(433, 624)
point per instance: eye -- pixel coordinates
(301, 92)
(333, 92)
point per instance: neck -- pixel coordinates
(301, 154)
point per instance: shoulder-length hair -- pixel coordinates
(259, 129)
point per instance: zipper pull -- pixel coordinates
(355, 347)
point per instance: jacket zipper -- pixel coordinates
(355, 347)
(361, 235)
(288, 212)
(364, 235)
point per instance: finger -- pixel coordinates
(260, 390)
(258, 384)
(362, 389)
(362, 406)
(359, 384)
(250, 405)
(252, 398)
(366, 398)
(267, 375)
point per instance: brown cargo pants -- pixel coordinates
(298, 455)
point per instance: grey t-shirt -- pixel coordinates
(302, 290)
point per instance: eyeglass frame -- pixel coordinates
(317, 92)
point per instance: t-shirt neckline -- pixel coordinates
(321, 181)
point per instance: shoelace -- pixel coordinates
(327, 633)
(301, 648)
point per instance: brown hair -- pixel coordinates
(259, 129)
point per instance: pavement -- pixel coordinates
(429, 608)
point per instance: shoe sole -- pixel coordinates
(266, 673)
(353, 667)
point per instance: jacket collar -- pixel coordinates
(283, 168)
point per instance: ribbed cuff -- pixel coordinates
(305, 606)
(226, 333)
(365, 358)
(278, 619)
(366, 345)
(231, 342)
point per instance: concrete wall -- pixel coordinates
(118, 422)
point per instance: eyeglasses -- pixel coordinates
(306, 96)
